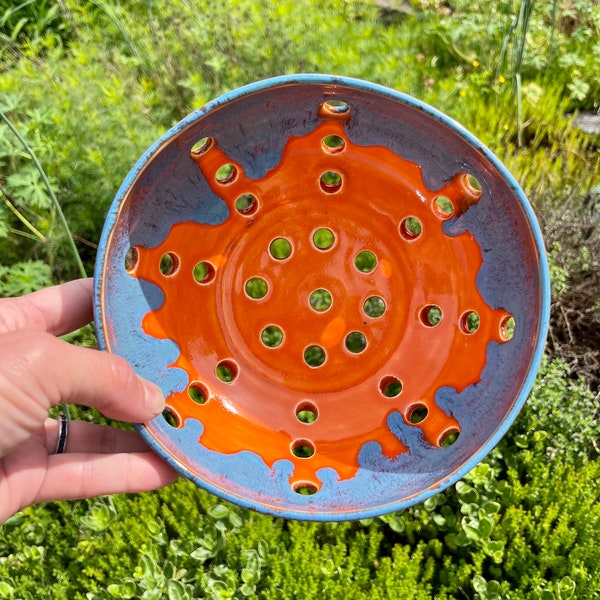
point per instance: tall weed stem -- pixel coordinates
(50, 191)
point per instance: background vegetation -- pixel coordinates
(86, 86)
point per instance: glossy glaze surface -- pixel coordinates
(326, 313)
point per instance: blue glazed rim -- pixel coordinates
(543, 286)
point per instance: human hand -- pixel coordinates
(38, 371)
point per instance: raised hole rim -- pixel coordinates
(280, 248)
(202, 146)
(198, 392)
(374, 307)
(431, 315)
(227, 371)
(272, 336)
(356, 342)
(132, 257)
(323, 239)
(449, 437)
(336, 106)
(171, 417)
(226, 173)
(256, 288)
(331, 182)
(246, 204)
(320, 300)
(473, 184)
(333, 144)
(305, 488)
(469, 322)
(417, 413)
(303, 449)
(411, 228)
(508, 326)
(307, 412)
(390, 386)
(169, 264)
(204, 272)
(365, 261)
(315, 356)
(443, 207)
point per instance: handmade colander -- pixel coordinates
(341, 292)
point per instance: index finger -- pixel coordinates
(58, 310)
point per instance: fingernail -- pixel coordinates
(154, 399)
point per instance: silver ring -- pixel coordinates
(63, 432)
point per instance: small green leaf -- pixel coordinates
(177, 591)
(123, 590)
(28, 186)
(566, 588)
(490, 508)
(485, 527)
(218, 511)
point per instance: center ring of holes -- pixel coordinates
(271, 336)
(320, 300)
(323, 238)
(280, 248)
(314, 356)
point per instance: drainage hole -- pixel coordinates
(226, 173)
(280, 248)
(202, 146)
(469, 322)
(374, 307)
(411, 228)
(443, 207)
(226, 371)
(320, 300)
(473, 183)
(330, 182)
(303, 449)
(449, 437)
(204, 272)
(390, 386)
(305, 488)
(256, 288)
(365, 261)
(314, 356)
(169, 263)
(431, 315)
(246, 204)
(307, 413)
(356, 342)
(333, 144)
(417, 413)
(271, 336)
(171, 417)
(198, 392)
(336, 107)
(131, 259)
(507, 328)
(323, 238)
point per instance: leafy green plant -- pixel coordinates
(24, 277)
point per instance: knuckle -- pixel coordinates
(121, 374)
(28, 360)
